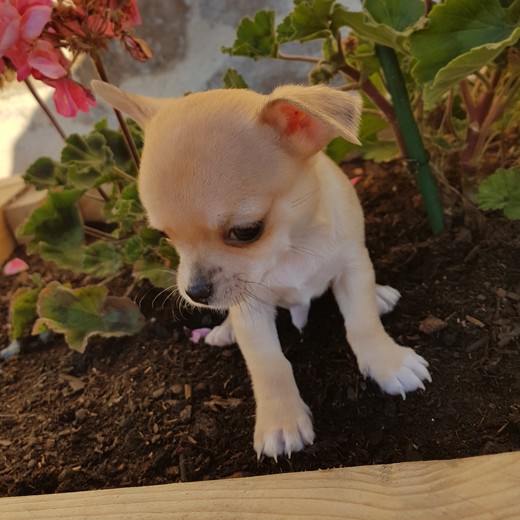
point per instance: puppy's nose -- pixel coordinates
(200, 291)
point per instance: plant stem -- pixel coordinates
(379, 100)
(123, 174)
(99, 234)
(308, 59)
(100, 67)
(45, 108)
(412, 137)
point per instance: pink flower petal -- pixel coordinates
(15, 266)
(355, 180)
(198, 334)
(46, 59)
(9, 27)
(34, 20)
(70, 97)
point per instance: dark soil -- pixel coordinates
(156, 408)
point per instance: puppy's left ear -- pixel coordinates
(140, 108)
(308, 118)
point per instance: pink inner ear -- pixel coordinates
(295, 120)
(305, 134)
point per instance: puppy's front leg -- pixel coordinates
(396, 369)
(283, 420)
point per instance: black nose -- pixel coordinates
(200, 292)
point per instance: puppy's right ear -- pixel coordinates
(139, 108)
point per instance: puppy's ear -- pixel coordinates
(139, 108)
(308, 118)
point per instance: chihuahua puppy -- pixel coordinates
(261, 218)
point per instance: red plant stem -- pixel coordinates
(100, 67)
(468, 101)
(45, 108)
(380, 101)
(481, 116)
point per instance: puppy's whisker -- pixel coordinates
(169, 290)
(303, 199)
(305, 251)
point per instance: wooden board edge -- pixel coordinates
(477, 488)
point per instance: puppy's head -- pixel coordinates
(224, 174)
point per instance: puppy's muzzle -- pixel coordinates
(200, 291)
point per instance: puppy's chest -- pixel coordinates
(296, 280)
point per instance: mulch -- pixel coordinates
(156, 408)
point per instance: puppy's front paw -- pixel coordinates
(395, 369)
(283, 429)
(221, 335)
(387, 298)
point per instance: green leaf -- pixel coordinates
(310, 20)
(501, 191)
(22, 312)
(56, 229)
(233, 79)
(117, 145)
(397, 14)
(44, 173)
(255, 37)
(89, 160)
(462, 36)
(156, 273)
(127, 210)
(102, 258)
(372, 147)
(82, 313)
(380, 22)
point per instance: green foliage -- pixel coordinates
(256, 37)
(22, 310)
(96, 167)
(233, 79)
(501, 191)
(459, 61)
(56, 229)
(82, 313)
(461, 37)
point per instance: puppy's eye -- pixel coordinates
(246, 234)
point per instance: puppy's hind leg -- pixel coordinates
(221, 335)
(395, 369)
(386, 298)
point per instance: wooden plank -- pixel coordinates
(9, 188)
(480, 488)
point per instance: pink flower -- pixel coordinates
(10, 20)
(15, 266)
(34, 19)
(45, 58)
(198, 334)
(71, 97)
(21, 22)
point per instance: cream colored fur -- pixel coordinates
(224, 161)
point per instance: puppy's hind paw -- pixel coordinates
(221, 335)
(387, 298)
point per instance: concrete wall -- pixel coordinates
(186, 37)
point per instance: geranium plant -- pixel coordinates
(42, 40)
(452, 64)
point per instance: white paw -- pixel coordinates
(387, 298)
(221, 335)
(395, 369)
(285, 430)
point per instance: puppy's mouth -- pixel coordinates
(221, 295)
